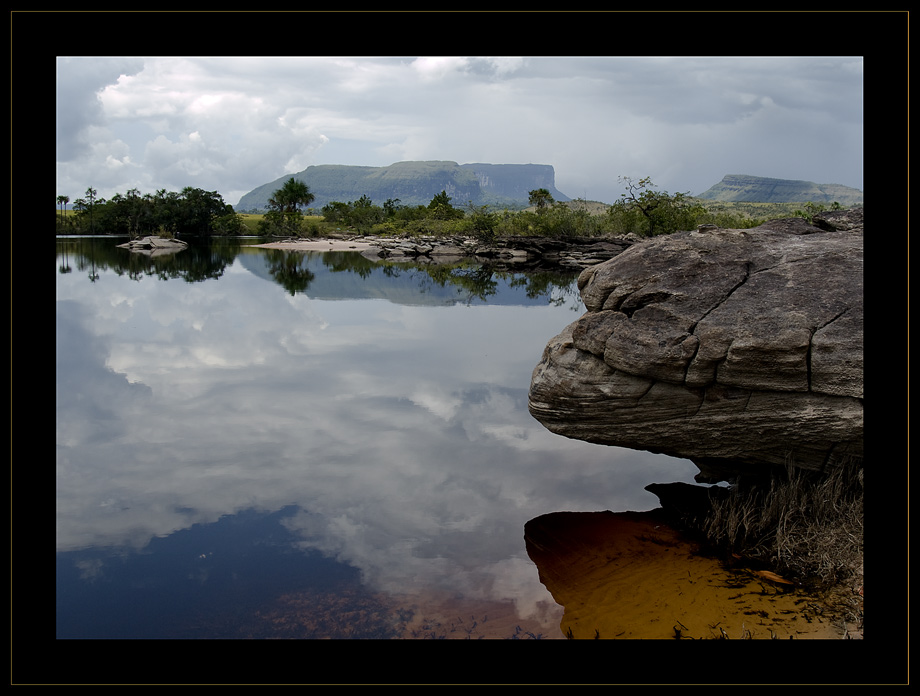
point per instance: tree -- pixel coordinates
(362, 213)
(661, 212)
(336, 212)
(90, 204)
(482, 223)
(85, 207)
(812, 209)
(284, 214)
(133, 211)
(390, 206)
(62, 201)
(540, 198)
(192, 211)
(231, 223)
(441, 209)
(292, 195)
(195, 210)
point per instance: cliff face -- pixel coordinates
(416, 183)
(759, 189)
(731, 348)
(516, 181)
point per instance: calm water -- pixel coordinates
(253, 443)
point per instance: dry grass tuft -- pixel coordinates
(803, 524)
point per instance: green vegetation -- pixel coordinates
(361, 214)
(540, 198)
(647, 212)
(743, 188)
(811, 209)
(62, 201)
(284, 216)
(191, 211)
(642, 210)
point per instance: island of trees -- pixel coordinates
(191, 211)
(643, 210)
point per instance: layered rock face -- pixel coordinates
(731, 348)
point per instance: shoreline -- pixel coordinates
(519, 252)
(314, 245)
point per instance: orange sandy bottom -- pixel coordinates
(628, 575)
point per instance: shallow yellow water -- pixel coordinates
(630, 575)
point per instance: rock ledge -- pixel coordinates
(723, 346)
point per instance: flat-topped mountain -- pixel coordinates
(760, 189)
(416, 183)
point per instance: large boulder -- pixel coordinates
(154, 246)
(735, 348)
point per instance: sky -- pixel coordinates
(231, 124)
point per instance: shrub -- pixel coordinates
(482, 224)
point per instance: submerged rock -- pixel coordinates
(729, 347)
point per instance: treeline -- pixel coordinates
(642, 210)
(191, 211)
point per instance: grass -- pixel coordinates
(251, 222)
(804, 525)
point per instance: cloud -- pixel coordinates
(179, 403)
(684, 121)
(79, 81)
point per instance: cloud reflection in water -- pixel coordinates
(399, 431)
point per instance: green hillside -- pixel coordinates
(745, 188)
(416, 183)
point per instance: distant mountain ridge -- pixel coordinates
(416, 183)
(759, 189)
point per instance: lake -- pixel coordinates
(254, 443)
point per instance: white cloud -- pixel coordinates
(436, 68)
(683, 121)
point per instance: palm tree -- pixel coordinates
(62, 201)
(91, 199)
(292, 195)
